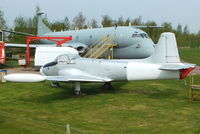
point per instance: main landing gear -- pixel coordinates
(107, 86)
(55, 84)
(77, 88)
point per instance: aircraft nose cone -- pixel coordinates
(147, 47)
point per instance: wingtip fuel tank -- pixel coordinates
(24, 78)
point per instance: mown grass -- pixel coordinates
(190, 55)
(132, 107)
(138, 107)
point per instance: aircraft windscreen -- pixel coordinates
(135, 35)
(50, 64)
(63, 59)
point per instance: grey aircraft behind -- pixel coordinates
(131, 42)
(164, 63)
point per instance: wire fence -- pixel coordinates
(44, 125)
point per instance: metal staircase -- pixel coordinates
(99, 49)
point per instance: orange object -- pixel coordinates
(2, 52)
(59, 40)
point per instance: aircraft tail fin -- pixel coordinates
(166, 50)
(42, 28)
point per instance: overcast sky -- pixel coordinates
(185, 12)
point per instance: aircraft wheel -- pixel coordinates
(107, 86)
(54, 84)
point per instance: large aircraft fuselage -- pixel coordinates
(131, 43)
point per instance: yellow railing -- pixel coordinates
(99, 48)
(92, 47)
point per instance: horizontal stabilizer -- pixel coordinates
(175, 67)
(14, 32)
(31, 45)
(147, 26)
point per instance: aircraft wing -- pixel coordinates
(147, 26)
(79, 78)
(31, 45)
(176, 67)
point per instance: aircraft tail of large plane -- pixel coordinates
(166, 50)
(42, 28)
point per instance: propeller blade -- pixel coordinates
(24, 78)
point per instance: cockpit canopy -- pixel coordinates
(66, 59)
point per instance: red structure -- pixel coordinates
(58, 40)
(2, 53)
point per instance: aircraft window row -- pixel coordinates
(143, 35)
(135, 35)
(146, 35)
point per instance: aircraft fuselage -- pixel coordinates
(131, 43)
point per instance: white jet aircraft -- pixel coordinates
(163, 64)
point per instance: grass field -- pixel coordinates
(153, 107)
(190, 55)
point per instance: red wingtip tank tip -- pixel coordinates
(185, 72)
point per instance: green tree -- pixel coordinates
(154, 33)
(186, 30)
(167, 27)
(121, 21)
(94, 23)
(20, 26)
(79, 21)
(2, 20)
(66, 23)
(137, 21)
(179, 29)
(127, 22)
(106, 21)
(58, 26)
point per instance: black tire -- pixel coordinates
(107, 86)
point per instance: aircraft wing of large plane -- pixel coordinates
(77, 78)
(31, 45)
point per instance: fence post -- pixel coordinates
(68, 129)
